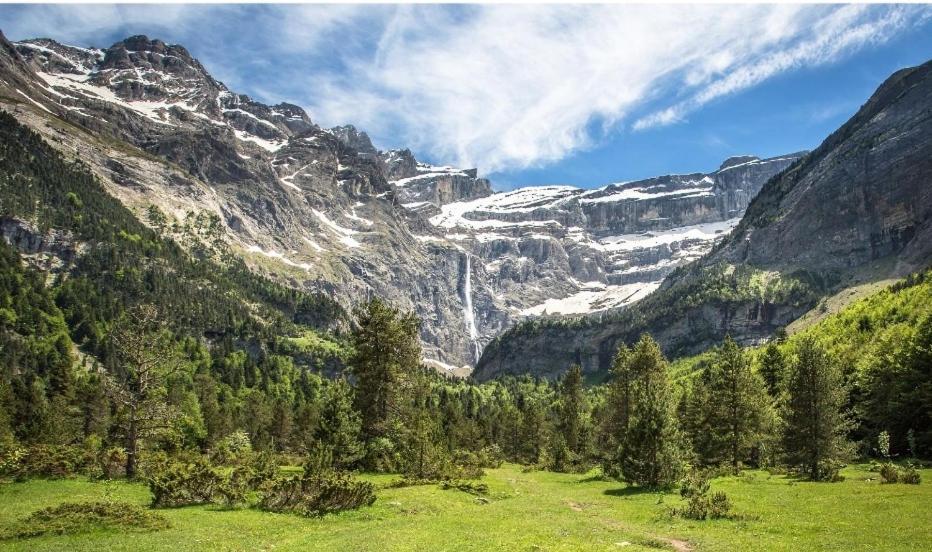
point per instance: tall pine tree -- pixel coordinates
(730, 408)
(386, 351)
(814, 436)
(650, 454)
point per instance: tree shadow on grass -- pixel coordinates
(629, 491)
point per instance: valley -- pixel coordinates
(226, 325)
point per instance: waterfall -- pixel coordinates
(468, 314)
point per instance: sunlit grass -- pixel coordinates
(526, 511)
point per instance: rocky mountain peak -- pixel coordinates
(738, 160)
(353, 138)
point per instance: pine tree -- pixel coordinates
(814, 437)
(339, 426)
(773, 369)
(650, 454)
(386, 350)
(731, 408)
(571, 410)
(142, 362)
(617, 407)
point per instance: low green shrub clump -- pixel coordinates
(317, 493)
(184, 484)
(891, 473)
(79, 517)
(470, 487)
(47, 461)
(700, 504)
(319, 490)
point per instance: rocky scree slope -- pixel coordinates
(856, 209)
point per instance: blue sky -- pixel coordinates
(582, 95)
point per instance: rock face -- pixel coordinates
(323, 209)
(310, 207)
(552, 250)
(858, 208)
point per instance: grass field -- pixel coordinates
(527, 511)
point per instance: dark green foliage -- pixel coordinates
(470, 487)
(184, 483)
(816, 424)
(570, 425)
(729, 410)
(385, 351)
(891, 473)
(650, 454)
(317, 493)
(51, 461)
(79, 517)
(773, 369)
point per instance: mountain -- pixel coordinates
(856, 209)
(323, 210)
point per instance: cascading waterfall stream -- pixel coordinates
(468, 313)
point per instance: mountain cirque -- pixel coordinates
(323, 209)
(856, 209)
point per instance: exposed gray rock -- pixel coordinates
(858, 208)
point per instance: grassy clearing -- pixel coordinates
(526, 511)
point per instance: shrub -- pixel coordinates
(232, 491)
(471, 487)
(317, 493)
(491, 456)
(183, 484)
(112, 462)
(699, 505)
(10, 460)
(891, 473)
(77, 517)
(52, 461)
(910, 475)
(232, 449)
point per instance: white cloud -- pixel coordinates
(498, 87)
(506, 87)
(840, 32)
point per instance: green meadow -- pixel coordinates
(535, 510)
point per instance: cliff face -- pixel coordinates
(858, 208)
(325, 210)
(310, 207)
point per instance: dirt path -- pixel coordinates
(678, 545)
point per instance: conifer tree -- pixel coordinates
(142, 362)
(814, 436)
(571, 409)
(386, 350)
(650, 454)
(617, 407)
(773, 369)
(339, 425)
(730, 406)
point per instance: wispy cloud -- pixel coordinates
(499, 87)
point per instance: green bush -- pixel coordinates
(891, 473)
(910, 475)
(317, 493)
(78, 517)
(184, 484)
(51, 461)
(112, 462)
(232, 449)
(470, 487)
(699, 504)
(233, 490)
